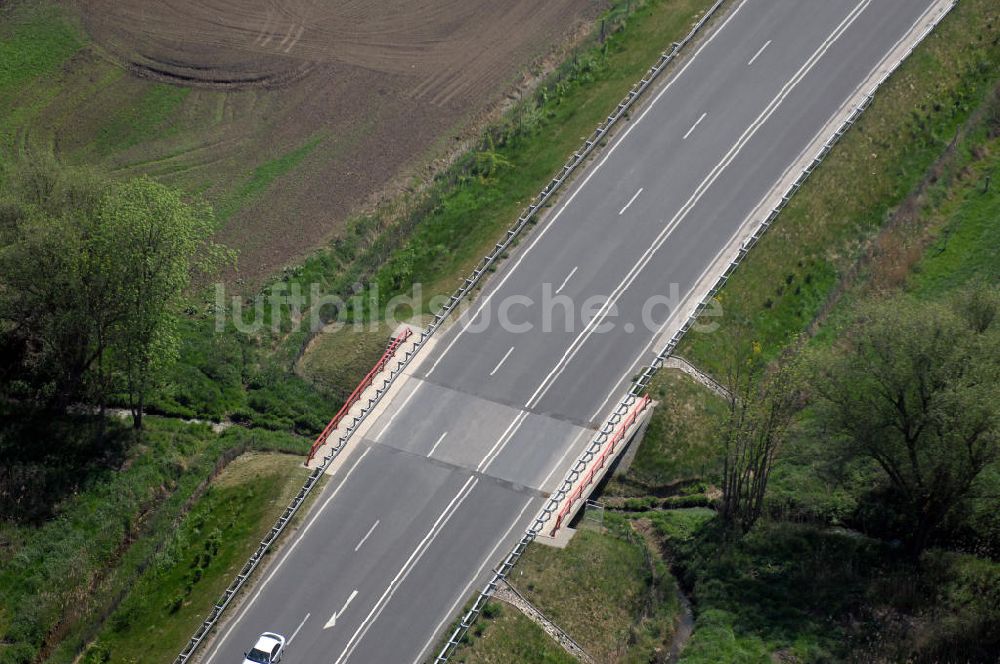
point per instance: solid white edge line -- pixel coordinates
(468, 586)
(597, 167)
(287, 553)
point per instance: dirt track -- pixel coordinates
(383, 84)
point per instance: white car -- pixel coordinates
(268, 650)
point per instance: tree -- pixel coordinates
(915, 387)
(92, 276)
(149, 240)
(489, 162)
(55, 309)
(762, 402)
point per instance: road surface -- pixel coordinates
(459, 462)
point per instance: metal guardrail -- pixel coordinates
(467, 285)
(642, 382)
(602, 458)
(293, 507)
(470, 282)
(358, 391)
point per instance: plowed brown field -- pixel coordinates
(378, 84)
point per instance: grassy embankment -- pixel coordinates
(506, 635)
(923, 216)
(792, 274)
(107, 525)
(139, 510)
(172, 596)
(603, 589)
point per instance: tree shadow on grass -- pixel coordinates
(46, 457)
(832, 595)
(784, 584)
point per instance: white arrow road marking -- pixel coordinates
(332, 622)
(296, 632)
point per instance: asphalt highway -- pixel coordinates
(461, 460)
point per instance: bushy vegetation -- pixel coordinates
(605, 589)
(805, 593)
(60, 578)
(92, 278)
(200, 558)
(799, 270)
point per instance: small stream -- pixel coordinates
(684, 628)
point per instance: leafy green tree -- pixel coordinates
(92, 277)
(488, 161)
(915, 387)
(762, 402)
(55, 310)
(149, 240)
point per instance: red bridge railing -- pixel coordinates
(359, 390)
(608, 451)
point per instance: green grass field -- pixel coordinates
(35, 43)
(616, 600)
(505, 635)
(791, 274)
(206, 551)
(61, 579)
